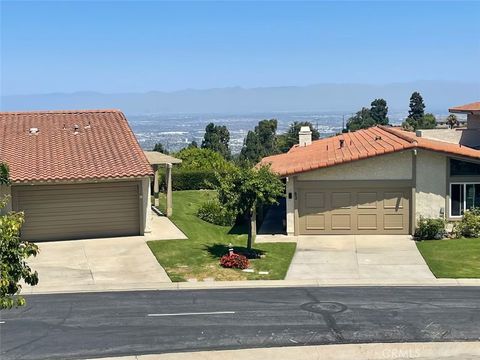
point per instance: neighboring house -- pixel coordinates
(76, 174)
(375, 181)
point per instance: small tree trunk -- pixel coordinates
(252, 229)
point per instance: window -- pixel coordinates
(463, 168)
(463, 196)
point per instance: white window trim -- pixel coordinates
(464, 183)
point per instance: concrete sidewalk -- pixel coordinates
(398, 351)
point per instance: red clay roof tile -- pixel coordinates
(361, 144)
(472, 107)
(103, 148)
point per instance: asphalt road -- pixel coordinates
(131, 323)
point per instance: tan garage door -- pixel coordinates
(54, 212)
(343, 210)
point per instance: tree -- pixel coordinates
(160, 148)
(361, 120)
(201, 159)
(379, 111)
(365, 118)
(216, 138)
(193, 144)
(13, 253)
(261, 142)
(288, 139)
(243, 190)
(428, 121)
(452, 121)
(417, 106)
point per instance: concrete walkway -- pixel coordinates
(120, 263)
(371, 257)
(398, 351)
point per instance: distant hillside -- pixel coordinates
(438, 96)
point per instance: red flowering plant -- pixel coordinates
(234, 261)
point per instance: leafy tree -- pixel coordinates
(428, 121)
(13, 254)
(261, 142)
(452, 121)
(160, 148)
(365, 118)
(201, 159)
(361, 120)
(417, 106)
(379, 111)
(287, 140)
(243, 190)
(216, 138)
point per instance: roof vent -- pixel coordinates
(342, 142)
(33, 131)
(75, 129)
(378, 137)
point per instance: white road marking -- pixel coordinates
(2, 322)
(194, 313)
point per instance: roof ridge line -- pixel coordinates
(32, 112)
(401, 136)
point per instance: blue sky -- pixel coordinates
(67, 46)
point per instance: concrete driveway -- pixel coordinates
(358, 257)
(121, 263)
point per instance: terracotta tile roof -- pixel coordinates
(103, 148)
(358, 145)
(472, 107)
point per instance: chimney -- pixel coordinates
(305, 136)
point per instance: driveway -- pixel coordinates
(358, 257)
(120, 263)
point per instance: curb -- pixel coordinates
(249, 284)
(430, 351)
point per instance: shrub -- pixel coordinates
(190, 179)
(234, 261)
(213, 212)
(469, 226)
(430, 229)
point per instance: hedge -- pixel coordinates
(189, 179)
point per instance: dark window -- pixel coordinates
(456, 196)
(463, 168)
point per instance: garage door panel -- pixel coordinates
(341, 221)
(315, 222)
(315, 200)
(367, 200)
(354, 210)
(55, 212)
(367, 222)
(341, 200)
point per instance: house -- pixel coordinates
(375, 181)
(75, 174)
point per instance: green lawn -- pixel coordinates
(198, 257)
(455, 258)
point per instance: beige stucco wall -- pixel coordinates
(431, 184)
(397, 166)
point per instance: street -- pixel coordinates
(88, 325)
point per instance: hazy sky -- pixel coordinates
(66, 46)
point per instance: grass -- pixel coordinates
(198, 257)
(455, 258)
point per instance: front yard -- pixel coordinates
(455, 258)
(198, 257)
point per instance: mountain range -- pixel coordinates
(438, 96)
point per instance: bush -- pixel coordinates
(190, 179)
(430, 229)
(213, 212)
(469, 226)
(234, 261)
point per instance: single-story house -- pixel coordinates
(75, 174)
(378, 180)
